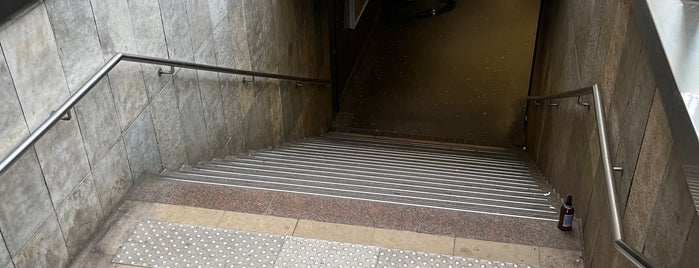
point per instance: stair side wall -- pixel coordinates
(134, 121)
(586, 42)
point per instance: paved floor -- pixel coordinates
(292, 239)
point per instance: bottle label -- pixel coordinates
(567, 220)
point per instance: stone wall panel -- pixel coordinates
(142, 147)
(25, 202)
(80, 216)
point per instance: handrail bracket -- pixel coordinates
(67, 116)
(170, 72)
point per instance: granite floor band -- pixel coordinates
(166, 244)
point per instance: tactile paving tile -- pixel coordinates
(304, 252)
(404, 258)
(164, 244)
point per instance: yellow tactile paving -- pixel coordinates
(334, 232)
(552, 257)
(414, 241)
(257, 223)
(188, 215)
(496, 251)
(539, 256)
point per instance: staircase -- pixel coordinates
(468, 179)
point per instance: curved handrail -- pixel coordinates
(634, 256)
(116, 59)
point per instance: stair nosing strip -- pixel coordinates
(531, 194)
(442, 147)
(406, 151)
(519, 166)
(393, 165)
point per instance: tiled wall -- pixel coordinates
(587, 42)
(133, 121)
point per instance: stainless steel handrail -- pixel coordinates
(116, 59)
(634, 256)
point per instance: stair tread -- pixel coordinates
(497, 182)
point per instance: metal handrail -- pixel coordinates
(116, 59)
(634, 256)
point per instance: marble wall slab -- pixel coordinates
(80, 216)
(135, 121)
(112, 177)
(46, 249)
(14, 127)
(150, 40)
(168, 128)
(31, 55)
(5, 260)
(199, 21)
(25, 202)
(179, 42)
(76, 37)
(99, 122)
(63, 159)
(211, 98)
(576, 50)
(191, 115)
(142, 147)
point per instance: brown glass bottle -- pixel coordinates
(565, 220)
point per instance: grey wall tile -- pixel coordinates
(199, 22)
(46, 249)
(192, 116)
(5, 260)
(210, 89)
(691, 247)
(114, 27)
(179, 42)
(80, 216)
(239, 44)
(672, 218)
(14, 128)
(150, 39)
(276, 113)
(112, 177)
(25, 201)
(63, 159)
(32, 57)
(168, 128)
(218, 10)
(259, 31)
(76, 36)
(142, 147)
(223, 39)
(648, 177)
(98, 120)
(126, 79)
(230, 101)
(128, 89)
(148, 28)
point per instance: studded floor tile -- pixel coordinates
(404, 258)
(165, 244)
(305, 252)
